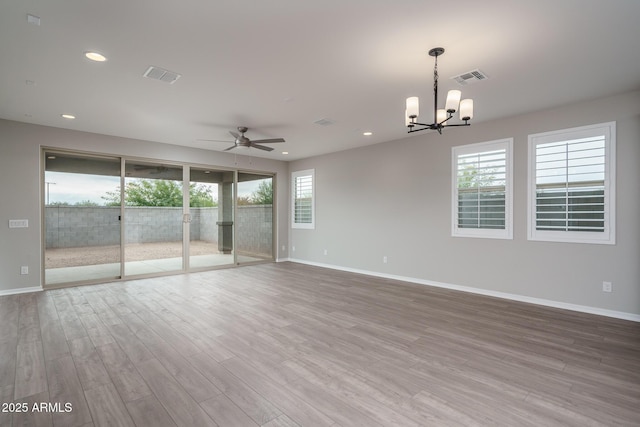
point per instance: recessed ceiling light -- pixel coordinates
(367, 133)
(285, 152)
(68, 116)
(95, 56)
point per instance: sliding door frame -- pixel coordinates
(186, 169)
(44, 150)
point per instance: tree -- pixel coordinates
(81, 203)
(86, 203)
(200, 196)
(470, 178)
(160, 192)
(264, 194)
(244, 200)
(157, 192)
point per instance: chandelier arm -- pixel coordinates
(432, 126)
(459, 124)
(445, 120)
(418, 130)
(423, 124)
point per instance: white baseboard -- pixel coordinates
(283, 260)
(20, 290)
(531, 300)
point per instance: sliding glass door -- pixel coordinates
(210, 218)
(81, 218)
(153, 218)
(254, 217)
(107, 218)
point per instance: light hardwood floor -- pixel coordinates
(287, 345)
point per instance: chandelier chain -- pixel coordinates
(435, 75)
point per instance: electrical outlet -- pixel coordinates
(607, 287)
(326, 252)
(284, 248)
(384, 259)
(24, 269)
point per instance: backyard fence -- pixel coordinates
(85, 226)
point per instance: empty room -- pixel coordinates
(337, 213)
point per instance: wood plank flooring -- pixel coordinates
(293, 345)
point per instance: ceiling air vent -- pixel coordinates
(161, 74)
(470, 77)
(324, 122)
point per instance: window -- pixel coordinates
(572, 185)
(482, 205)
(303, 200)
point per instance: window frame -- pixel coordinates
(294, 176)
(607, 129)
(483, 147)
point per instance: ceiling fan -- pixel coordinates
(242, 141)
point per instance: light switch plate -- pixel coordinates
(18, 223)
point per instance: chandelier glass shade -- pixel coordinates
(442, 116)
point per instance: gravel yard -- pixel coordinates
(73, 257)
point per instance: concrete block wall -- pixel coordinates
(145, 224)
(254, 223)
(71, 226)
(80, 226)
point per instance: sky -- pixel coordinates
(72, 188)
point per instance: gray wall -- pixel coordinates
(391, 199)
(394, 199)
(20, 190)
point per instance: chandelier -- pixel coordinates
(442, 116)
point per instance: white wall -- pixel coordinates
(394, 199)
(20, 186)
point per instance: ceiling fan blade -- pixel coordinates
(230, 148)
(235, 134)
(261, 147)
(268, 141)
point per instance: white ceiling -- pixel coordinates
(277, 66)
